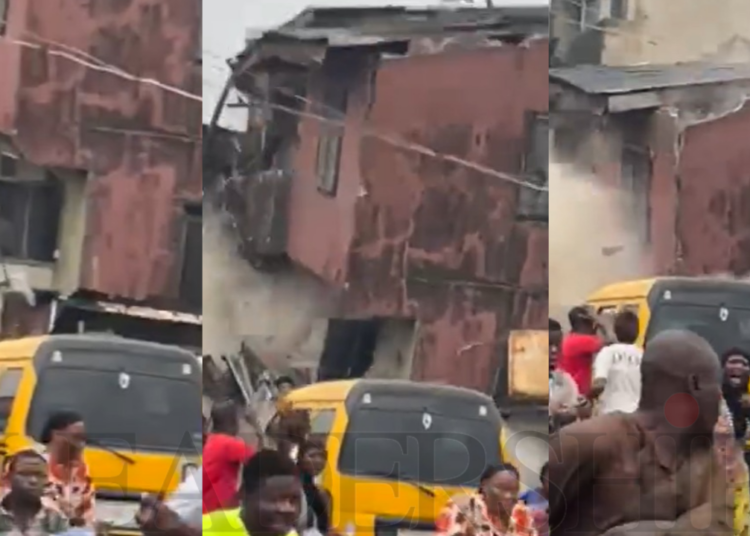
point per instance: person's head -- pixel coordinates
(26, 473)
(313, 456)
(225, 417)
(284, 384)
(626, 327)
(294, 425)
(681, 382)
(65, 434)
(736, 364)
(270, 494)
(581, 320)
(555, 341)
(544, 479)
(500, 485)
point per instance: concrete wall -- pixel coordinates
(662, 32)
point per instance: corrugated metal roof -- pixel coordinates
(367, 26)
(148, 313)
(606, 80)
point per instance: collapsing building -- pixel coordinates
(672, 139)
(390, 143)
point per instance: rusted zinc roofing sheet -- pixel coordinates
(369, 26)
(609, 80)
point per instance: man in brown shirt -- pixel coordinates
(652, 472)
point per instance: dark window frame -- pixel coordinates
(334, 100)
(41, 204)
(4, 12)
(534, 204)
(618, 9)
(636, 174)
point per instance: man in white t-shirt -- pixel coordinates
(617, 368)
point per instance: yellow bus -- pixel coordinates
(141, 404)
(398, 450)
(716, 309)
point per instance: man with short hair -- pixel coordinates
(617, 368)
(24, 508)
(652, 472)
(580, 347)
(270, 500)
(223, 455)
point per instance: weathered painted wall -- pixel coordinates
(138, 144)
(713, 178)
(699, 196)
(661, 32)
(409, 235)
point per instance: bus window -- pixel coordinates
(127, 399)
(10, 379)
(321, 423)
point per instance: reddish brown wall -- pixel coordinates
(415, 236)
(139, 143)
(713, 224)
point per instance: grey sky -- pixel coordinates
(225, 24)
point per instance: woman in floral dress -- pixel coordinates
(495, 510)
(70, 486)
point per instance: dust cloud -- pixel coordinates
(280, 316)
(590, 241)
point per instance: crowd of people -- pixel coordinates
(273, 490)
(645, 441)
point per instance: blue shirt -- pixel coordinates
(534, 499)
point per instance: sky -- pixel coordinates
(227, 22)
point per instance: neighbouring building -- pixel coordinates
(100, 174)
(673, 139)
(390, 134)
(631, 32)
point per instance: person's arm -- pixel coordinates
(156, 519)
(591, 344)
(602, 365)
(237, 451)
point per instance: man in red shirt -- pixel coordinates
(579, 348)
(223, 456)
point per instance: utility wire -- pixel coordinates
(85, 59)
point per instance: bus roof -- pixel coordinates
(30, 345)
(340, 390)
(640, 288)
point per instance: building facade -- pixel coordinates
(101, 171)
(384, 172)
(670, 140)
